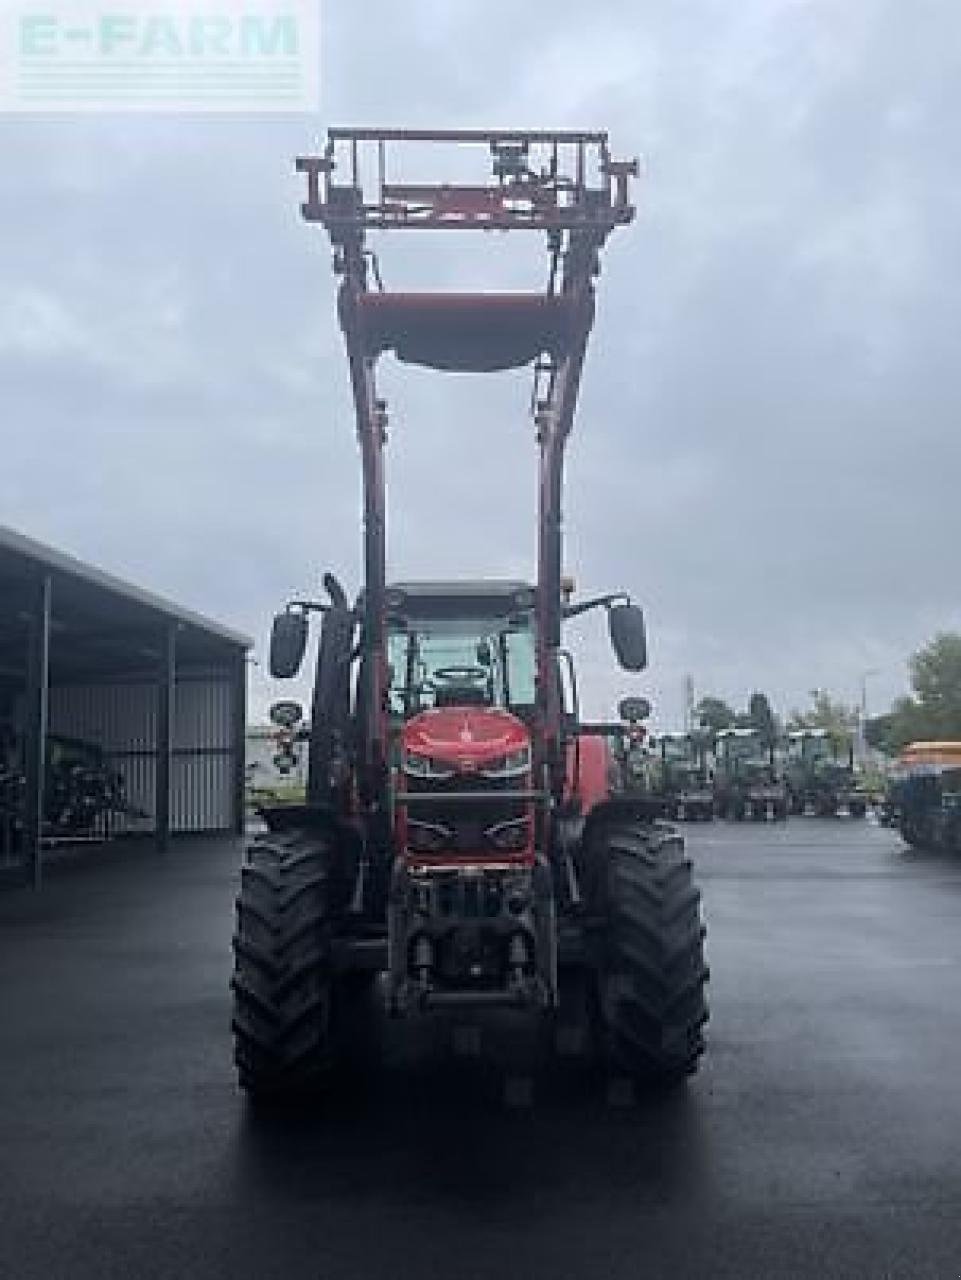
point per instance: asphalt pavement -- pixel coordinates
(822, 1137)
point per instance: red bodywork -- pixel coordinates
(588, 772)
(467, 747)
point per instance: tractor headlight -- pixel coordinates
(511, 765)
(419, 766)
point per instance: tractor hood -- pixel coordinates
(468, 738)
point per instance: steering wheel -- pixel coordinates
(457, 675)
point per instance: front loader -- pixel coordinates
(460, 837)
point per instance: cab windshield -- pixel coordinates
(749, 747)
(460, 663)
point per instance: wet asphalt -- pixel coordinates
(822, 1137)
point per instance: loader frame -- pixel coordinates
(563, 184)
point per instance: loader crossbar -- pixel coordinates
(541, 181)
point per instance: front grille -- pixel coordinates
(464, 822)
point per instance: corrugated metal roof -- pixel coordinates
(30, 551)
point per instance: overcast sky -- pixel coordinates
(767, 450)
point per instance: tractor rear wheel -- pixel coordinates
(283, 976)
(651, 972)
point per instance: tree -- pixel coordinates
(839, 720)
(935, 709)
(894, 730)
(936, 679)
(762, 718)
(714, 714)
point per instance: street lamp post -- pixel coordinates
(863, 714)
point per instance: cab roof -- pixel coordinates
(480, 598)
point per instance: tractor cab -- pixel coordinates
(460, 645)
(813, 748)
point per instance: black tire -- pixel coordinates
(651, 972)
(283, 977)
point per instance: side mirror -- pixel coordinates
(288, 641)
(634, 709)
(286, 714)
(625, 623)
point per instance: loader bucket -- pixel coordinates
(465, 332)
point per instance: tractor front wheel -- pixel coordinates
(283, 976)
(651, 971)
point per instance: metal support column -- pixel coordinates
(166, 685)
(35, 727)
(239, 736)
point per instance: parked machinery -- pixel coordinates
(459, 834)
(819, 778)
(632, 758)
(683, 776)
(925, 795)
(82, 792)
(748, 778)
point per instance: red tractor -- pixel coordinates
(460, 836)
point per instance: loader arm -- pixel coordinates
(564, 184)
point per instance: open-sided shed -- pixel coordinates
(159, 690)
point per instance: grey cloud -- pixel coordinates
(767, 447)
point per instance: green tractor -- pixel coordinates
(682, 776)
(748, 779)
(819, 779)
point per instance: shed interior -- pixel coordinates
(119, 710)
